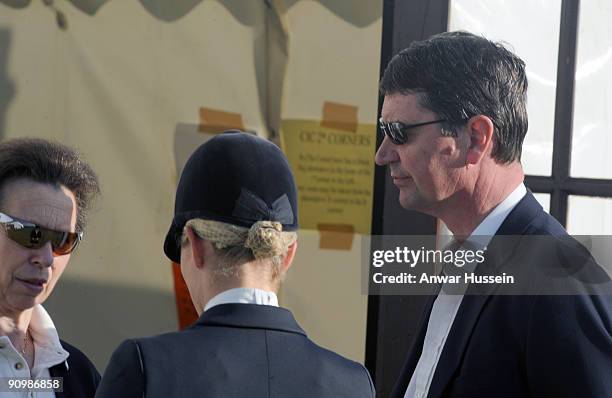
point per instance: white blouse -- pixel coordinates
(48, 352)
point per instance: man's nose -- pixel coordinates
(386, 153)
(43, 257)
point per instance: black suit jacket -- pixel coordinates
(524, 345)
(80, 376)
(234, 350)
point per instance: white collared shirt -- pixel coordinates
(48, 352)
(446, 306)
(243, 295)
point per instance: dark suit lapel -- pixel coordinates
(415, 351)
(469, 311)
(457, 340)
(477, 297)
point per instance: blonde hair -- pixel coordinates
(235, 245)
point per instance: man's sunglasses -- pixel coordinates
(32, 236)
(398, 132)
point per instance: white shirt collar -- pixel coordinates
(43, 329)
(243, 295)
(484, 232)
(49, 350)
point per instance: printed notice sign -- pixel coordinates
(334, 170)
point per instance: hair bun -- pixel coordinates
(265, 239)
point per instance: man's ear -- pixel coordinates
(480, 133)
(196, 245)
(288, 258)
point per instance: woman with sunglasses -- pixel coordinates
(45, 190)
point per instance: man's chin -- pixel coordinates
(414, 202)
(409, 201)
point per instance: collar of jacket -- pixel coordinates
(252, 316)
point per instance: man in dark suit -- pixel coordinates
(234, 236)
(454, 118)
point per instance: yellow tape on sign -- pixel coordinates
(334, 171)
(339, 116)
(216, 121)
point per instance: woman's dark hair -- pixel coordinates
(50, 163)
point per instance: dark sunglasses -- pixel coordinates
(398, 132)
(32, 236)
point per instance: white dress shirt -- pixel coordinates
(48, 352)
(445, 306)
(245, 296)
